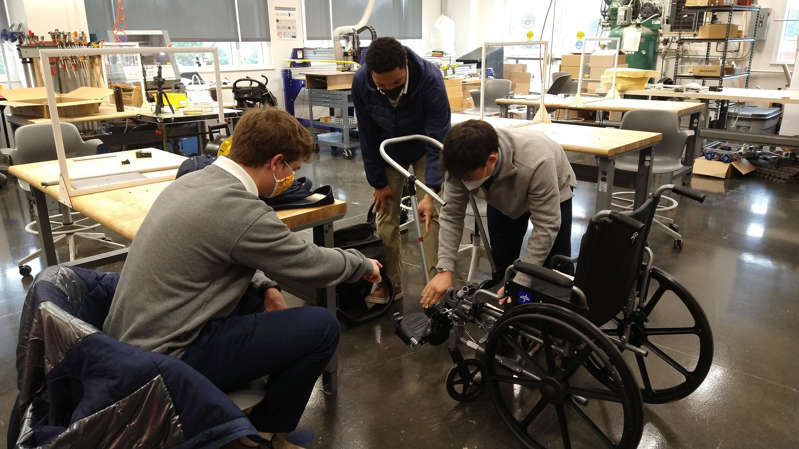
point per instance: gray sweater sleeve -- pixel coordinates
(543, 197)
(268, 245)
(451, 221)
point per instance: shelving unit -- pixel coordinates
(340, 100)
(701, 11)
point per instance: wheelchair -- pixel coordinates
(557, 360)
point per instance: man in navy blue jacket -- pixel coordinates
(395, 94)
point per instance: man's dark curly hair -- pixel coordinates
(385, 54)
(467, 147)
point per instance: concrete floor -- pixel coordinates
(740, 261)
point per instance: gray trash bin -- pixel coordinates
(754, 119)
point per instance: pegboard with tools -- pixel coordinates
(69, 72)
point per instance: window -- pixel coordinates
(790, 30)
(232, 56)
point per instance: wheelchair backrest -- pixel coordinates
(607, 267)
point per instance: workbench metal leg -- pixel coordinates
(5, 125)
(530, 112)
(604, 184)
(323, 236)
(643, 178)
(45, 232)
(164, 141)
(699, 143)
(503, 110)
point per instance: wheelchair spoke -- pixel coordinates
(575, 363)
(591, 424)
(665, 357)
(653, 301)
(672, 330)
(564, 427)
(548, 352)
(592, 393)
(533, 365)
(523, 381)
(539, 407)
(644, 373)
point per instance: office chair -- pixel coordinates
(560, 83)
(35, 143)
(666, 161)
(495, 89)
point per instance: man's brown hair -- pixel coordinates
(261, 134)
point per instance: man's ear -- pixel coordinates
(276, 161)
(493, 157)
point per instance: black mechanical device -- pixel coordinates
(254, 94)
(160, 95)
(552, 360)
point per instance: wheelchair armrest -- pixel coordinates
(545, 274)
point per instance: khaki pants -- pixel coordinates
(388, 222)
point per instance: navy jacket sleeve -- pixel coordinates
(367, 134)
(436, 125)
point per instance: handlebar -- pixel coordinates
(682, 191)
(402, 169)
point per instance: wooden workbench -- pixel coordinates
(123, 210)
(605, 144)
(602, 104)
(736, 94)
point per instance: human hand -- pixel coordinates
(502, 298)
(435, 289)
(381, 196)
(426, 209)
(274, 300)
(374, 275)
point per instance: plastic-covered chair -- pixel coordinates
(666, 161)
(494, 89)
(560, 83)
(35, 143)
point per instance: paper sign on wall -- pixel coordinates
(631, 40)
(286, 22)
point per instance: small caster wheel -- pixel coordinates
(347, 154)
(469, 388)
(674, 227)
(25, 270)
(678, 244)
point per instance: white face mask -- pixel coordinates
(475, 184)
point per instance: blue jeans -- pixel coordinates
(507, 235)
(292, 346)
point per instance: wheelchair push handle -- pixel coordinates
(689, 193)
(626, 220)
(405, 173)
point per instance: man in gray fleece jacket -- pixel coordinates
(195, 283)
(524, 177)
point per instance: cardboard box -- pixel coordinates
(329, 80)
(468, 86)
(711, 70)
(719, 31)
(723, 170)
(709, 185)
(454, 94)
(690, 3)
(513, 68)
(519, 82)
(574, 71)
(572, 59)
(604, 58)
(591, 86)
(32, 102)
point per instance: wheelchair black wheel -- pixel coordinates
(543, 391)
(25, 270)
(672, 327)
(465, 381)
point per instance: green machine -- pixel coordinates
(631, 18)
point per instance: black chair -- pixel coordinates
(560, 83)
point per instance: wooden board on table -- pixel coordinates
(597, 141)
(728, 93)
(612, 105)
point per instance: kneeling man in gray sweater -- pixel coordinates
(197, 283)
